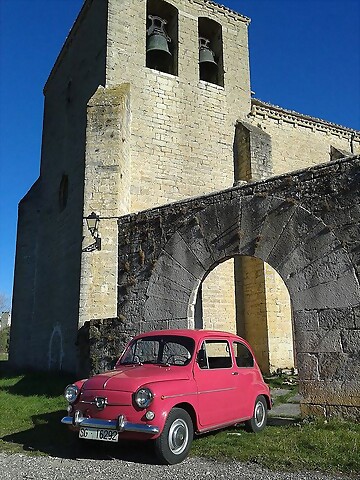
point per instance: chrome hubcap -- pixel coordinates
(259, 414)
(178, 436)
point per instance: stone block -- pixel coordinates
(305, 320)
(167, 288)
(339, 366)
(351, 342)
(193, 236)
(254, 211)
(278, 215)
(331, 319)
(308, 366)
(316, 246)
(157, 308)
(168, 268)
(339, 293)
(318, 341)
(178, 249)
(295, 232)
(330, 393)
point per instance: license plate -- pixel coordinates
(103, 434)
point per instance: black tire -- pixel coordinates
(259, 418)
(174, 443)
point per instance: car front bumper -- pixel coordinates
(121, 424)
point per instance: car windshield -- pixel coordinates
(162, 350)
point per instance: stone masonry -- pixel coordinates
(305, 225)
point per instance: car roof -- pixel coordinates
(195, 334)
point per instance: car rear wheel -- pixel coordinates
(173, 445)
(259, 418)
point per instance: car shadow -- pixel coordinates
(50, 437)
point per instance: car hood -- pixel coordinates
(129, 378)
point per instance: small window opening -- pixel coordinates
(211, 66)
(63, 192)
(162, 37)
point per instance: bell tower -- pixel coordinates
(177, 81)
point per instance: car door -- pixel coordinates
(246, 380)
(215, 376)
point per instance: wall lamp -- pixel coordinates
(92, 223)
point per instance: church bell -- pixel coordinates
(157, 38)
(206, 55)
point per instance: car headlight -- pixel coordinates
(143, 397)
(71, 392)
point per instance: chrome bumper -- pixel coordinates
(121, 424)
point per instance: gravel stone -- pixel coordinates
(25, 467)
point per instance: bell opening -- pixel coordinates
(210, 51)
(162, 37)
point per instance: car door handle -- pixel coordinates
(235, 373)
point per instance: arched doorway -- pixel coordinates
(247, 296)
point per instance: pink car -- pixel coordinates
(167, 385)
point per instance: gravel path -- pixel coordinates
(21, 467)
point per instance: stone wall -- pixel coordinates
(305, 225)
(46, 317)
(107, 192)
(300, 141)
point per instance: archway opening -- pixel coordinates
(247, 296)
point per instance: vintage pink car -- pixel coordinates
(167, 385)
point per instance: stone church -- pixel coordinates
(149, 103)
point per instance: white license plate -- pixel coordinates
(103, 434)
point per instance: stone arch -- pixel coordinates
(311, 260)
(305, 252)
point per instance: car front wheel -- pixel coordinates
(259, 418)
(173, 445)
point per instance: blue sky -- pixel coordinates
(304, 54)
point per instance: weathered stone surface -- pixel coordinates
(317, 341)
(309, 366)
(193, 235)
(330, 411)
(356, 311)
(337, 319)
(179, 250)
(106, 339)
(254, 211)
(351, 342)
(339, 365)
(305, 320)
(340, 293)
(277, 218)
(333, 392)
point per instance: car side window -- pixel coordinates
(243, 356)
(214, 354)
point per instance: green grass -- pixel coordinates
(327, 447)
(32, 406)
